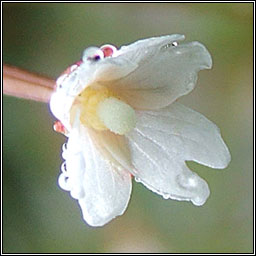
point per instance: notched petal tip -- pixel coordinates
(224, 157)
(165, 71)
(203, 54)
(194, 54)
(161, 143)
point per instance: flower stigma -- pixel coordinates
(102, 110)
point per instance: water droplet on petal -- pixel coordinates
(166, 196)
(64, 168)
(64, 151)
(137, 179)
(199, 200)
(63, 182)
(64, 155)
(64, 146)
(92, 54)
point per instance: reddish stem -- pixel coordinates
(24, 84)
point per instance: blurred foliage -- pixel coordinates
(38, 217)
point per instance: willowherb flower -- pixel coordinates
(118, 109)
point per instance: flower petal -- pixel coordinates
(60, 104)
(114, 147)
(102, 189)
(164, 73)
(165, 174)
(163, 140)
(88, 73)
(185, 134)
(148, 74)
(128, 58)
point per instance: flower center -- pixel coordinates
(102, 110)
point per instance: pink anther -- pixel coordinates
(108, 50)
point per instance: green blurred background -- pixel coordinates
(38, 217)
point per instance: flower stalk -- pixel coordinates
(20, 83)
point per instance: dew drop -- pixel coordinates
(64, 155)
(166, 196)
(64, 147)
(198, 201)
(73, 67)
(64, 168)
(137, 179)
(63, 182)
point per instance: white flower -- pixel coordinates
(121, 117)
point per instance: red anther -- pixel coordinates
(59, 127)
(107, 51)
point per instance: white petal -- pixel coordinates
(186, 134)
(113, 68)
(86, 74)
(60, 105)
(164, 73)
(90, 72)
(102, 189)
(114, 147)
(128, 58)
(140, 48)
(164, 174)
(148, 74)
(163, 140)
